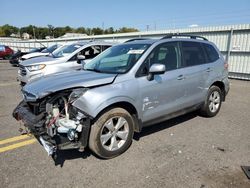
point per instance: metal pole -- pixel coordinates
(229, 44)
(34, 33)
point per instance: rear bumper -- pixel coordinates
(227, 85)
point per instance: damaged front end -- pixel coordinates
(55, 122)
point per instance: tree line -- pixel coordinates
(41, 32)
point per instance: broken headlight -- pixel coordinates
(76, 93)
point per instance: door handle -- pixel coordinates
(180, 77)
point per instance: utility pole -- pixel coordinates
(102, 27)
(34, 33)
(147, 26)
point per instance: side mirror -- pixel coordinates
(156, 69)
(80, 59)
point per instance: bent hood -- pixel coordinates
(34, 54)
(67, 80)
(38, 60)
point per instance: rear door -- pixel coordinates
(195, 75)
(214, 67)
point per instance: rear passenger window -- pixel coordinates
(212, 54)
(193, 54)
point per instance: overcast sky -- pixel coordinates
(141, 14)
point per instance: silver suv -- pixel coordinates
(64, 58)
(122, 90)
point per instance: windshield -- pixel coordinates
(65, 50)
(118, 59)
(50, 49)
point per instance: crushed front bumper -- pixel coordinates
(30, 120)
(35, 124)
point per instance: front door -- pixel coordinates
(164, 94)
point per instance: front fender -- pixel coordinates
(112, 101)
(97, 99)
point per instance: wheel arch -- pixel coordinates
(221, 85)
(128, 107)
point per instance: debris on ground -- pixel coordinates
(221, 149)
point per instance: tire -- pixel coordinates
(112, 133)
(212, 105)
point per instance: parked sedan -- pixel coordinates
(44, 52)
(5, 52)
(63, 59)
(15, 58)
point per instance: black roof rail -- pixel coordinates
(134, 39)
(171, 35)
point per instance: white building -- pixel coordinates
(25, 36)
(73, 35)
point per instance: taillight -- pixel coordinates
(226, 65)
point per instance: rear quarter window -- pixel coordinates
(211, 52)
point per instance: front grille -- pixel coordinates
(22, 69)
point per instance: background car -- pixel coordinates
(65, 58)
(5, 52)
(15, 58)
(44, 52)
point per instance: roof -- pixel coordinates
(169, 37)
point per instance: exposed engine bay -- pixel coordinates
(55, 122)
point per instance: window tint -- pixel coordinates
(105, 47)
(166, 54)
(212, 54)
(192, 54)
(90, 52)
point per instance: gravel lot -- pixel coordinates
(188, 151)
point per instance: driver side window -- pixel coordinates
(89, 52)
(166, 53)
